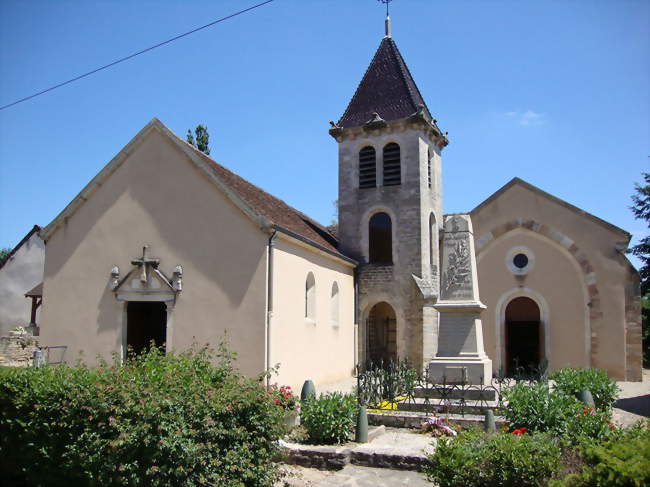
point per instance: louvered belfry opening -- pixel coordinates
(367, 167)
(392, 172)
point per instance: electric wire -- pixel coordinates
(180, 36)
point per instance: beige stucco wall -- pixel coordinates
(316, 349)
(554, 283)
(157, 197)
(578, 271)
(20, 274)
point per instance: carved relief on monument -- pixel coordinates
(457, 275)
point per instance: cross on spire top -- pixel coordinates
(386, 2)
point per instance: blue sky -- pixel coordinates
(555, 92)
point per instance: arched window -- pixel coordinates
(433, 243)
(429, 166)
(392, 171)
(310, 297)
(367, 167)
(380, 239)
(334, 305)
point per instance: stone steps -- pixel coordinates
(456, 406)
(395, 450)
(453, 393)
(414, 420)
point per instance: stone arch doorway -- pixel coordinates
(524, 336)
(381, 326)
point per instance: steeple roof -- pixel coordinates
(387, 89)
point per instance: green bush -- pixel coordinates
(476, 459)
(536, 408)
(571, 381)
(539, 409)
(329, 419)
(157, 420)
(623, 460)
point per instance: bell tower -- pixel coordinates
(390, 208)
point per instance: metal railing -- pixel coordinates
(397, 386)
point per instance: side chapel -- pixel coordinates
(523, 279)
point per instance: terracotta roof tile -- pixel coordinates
(274, 209)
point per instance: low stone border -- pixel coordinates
(393, 461)
(404, 419)
(336, 457)
(321, 457)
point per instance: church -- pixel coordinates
(166, 244)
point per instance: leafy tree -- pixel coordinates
(200, 139)
(4, 253)
(641, 210)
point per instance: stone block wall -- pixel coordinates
(17, 349)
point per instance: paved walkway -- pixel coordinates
(634, 401)
(354, 476)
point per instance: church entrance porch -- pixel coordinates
(382, 333)
(146, 322)
(523, 337)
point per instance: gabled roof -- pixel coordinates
(569, 206)
(35, 292)
(266, 210)
(34, 229)
(387, 88)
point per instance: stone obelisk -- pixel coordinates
(460, 356)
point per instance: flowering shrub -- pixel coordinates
(588, 424)
(284, 397)
(157, 420)
(538, 409)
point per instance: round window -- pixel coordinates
(520, 261)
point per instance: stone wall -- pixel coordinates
(414, 208)
(17, 349)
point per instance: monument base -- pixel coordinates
(460, 370)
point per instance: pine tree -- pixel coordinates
(200, 139)
(641, 210)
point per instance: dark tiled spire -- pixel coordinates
(387, 89)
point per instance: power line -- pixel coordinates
(136, 54)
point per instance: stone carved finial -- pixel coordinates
(177, 279)
(115, 277)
